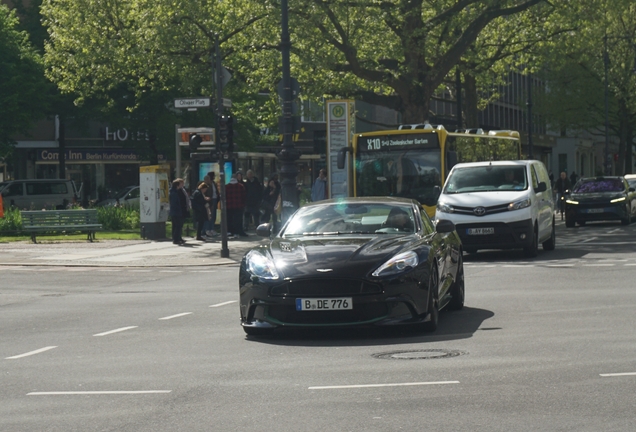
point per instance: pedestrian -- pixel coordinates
(214, 197)
(573, 178)
(254, 194)
(199, 209)
(184, 199)
(176, 213)
(561, 186)
(271, 194)
(319, 189)
(234, 204)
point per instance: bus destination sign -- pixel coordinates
(395, 141)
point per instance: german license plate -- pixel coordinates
(324, 304)
(480, 231)
(597, 210)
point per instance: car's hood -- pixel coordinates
(335, 256)
(484, 199)
(596, 196)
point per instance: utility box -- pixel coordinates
(154, 203)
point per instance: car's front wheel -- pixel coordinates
(533, 249)
(433, 303)
(550, 244)
(457, 290)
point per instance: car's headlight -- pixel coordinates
(261, 266)
(572, 202)
(445, 208)
(519, 204)
(618, 200)
(398, 264)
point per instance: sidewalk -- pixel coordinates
(125, 253)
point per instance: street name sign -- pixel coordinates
(201, 102)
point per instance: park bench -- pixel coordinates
(60, 221)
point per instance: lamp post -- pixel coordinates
(225, 252)
(288, 154)
(608, 164)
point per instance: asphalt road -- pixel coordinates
(546, 344)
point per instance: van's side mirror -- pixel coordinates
(542, 187)
(451, 158)
(342, 156)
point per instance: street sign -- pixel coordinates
(227, 103)
(225, 74)
(201, 102)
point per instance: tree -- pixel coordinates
(23, 89)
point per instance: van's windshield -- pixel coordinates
(486, 179)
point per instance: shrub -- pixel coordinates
(11, 223)
(118, 218)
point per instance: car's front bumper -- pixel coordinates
(589, 212)
(510, 235)
(267, 304)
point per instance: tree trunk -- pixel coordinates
(152, 144)
(624, 125)
(472, 113)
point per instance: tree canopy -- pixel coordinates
(23, 89)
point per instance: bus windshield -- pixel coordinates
(412, 173)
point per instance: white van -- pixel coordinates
(38, 194)
(500, 205)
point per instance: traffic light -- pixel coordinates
(194, 142)
(225, 134)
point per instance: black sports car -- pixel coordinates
(599, 199)
(352, 262)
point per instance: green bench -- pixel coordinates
(60, 221)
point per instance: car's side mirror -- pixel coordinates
(444, 226)
(542, 187)
(264, 230)
(631, 189)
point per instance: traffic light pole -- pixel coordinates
(225, 252)
(288, 155)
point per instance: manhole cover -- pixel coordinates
(419, 354)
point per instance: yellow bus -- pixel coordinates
(413, 161)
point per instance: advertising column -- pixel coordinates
(154, 204)
(338, 137)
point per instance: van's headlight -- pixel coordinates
(445, 208)
(398, 264)
(519, 204)
(261, 266)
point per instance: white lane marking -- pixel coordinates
(516, 265)
(599, 265)
(115, 331)
(381, 385)
(589, 239)
(38, 351)
(614, 231)
(122, 392)
(170, 271)
(632, 264)
(141, 271)
(560, 265)
(618, 374)
(175, 316)
(224, 303)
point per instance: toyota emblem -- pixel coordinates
(479, 211)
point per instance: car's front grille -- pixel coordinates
(325, 288)
(504, 233)
(487, 210)
(359, 314)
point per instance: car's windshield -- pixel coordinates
(351, 218)
(599, 184)
(122, 193)
(487, 178)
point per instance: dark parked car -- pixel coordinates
(600, 199)
(352, 262)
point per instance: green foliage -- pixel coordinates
(118, 218)
(23, 88)
(11, 223)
